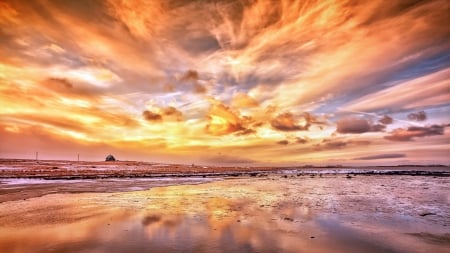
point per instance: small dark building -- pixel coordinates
(110, 158)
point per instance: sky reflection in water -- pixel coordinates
(185, 233)
(364, 214)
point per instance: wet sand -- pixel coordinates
(331, 213)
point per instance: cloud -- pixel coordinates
(353, 125)
(289, 122)
(401, 134)
(380, 157)
(222, 121)
(190, 75)
(302, 140)
(58, 83)
(151, 116)
(172, 112)
(418, 116)
(386, 120)
(283, 142)
(165, 113)
(333, 144)
(242, 100)
(377, 127)
(67, 87)
(246, 131)
(198, 88)
(425, 91)
(141, 17)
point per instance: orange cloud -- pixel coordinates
(221, 120)
(289, 122)
(151, 116)
(166, 113)
(190, 75)
(283, 142)
(242, 100)
(410, 133)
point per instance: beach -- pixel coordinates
(271, 212)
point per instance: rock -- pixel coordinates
(426, 214)
(110, 158)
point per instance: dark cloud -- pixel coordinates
(377, 128)
(286, 122)
(198, 88)
(401, 134)
(382, 156)
(190, 75)
(68, 87)
(328, 144)
(200, 44)
(289, 122)
(335, 144)
(302, 140)
(246, 131)
(283, 142)
(418, 116)
(386, 120)
(258, 124)
(170, 113)
(151, 116)
(58, 83)
(354, 125)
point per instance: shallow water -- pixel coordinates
(24, 188)
(329, 214)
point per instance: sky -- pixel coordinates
(238, 83)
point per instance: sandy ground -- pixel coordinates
(72, 170)
(270, 214)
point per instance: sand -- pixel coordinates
(275, 213)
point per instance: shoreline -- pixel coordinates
(69, 170)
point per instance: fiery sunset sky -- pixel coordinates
(226, 82)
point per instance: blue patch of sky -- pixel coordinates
(425, 67)
(411, 71)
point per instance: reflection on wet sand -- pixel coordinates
(242, 215)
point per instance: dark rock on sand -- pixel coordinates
(426, 214)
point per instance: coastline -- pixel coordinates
(380, 213)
